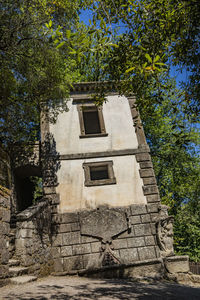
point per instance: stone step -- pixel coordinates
(23, 279)
(17, 271)
(13, 262)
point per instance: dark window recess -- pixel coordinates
(99, 173)
(91, 122)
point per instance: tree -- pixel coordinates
(174, 140)
(38, 65)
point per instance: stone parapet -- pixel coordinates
(33, 239)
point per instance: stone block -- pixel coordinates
(91, 261)
(54, 209)
(128, 255)
(153, 198)
(54, 199)
(120, 244)
(143, 157)
(149, 240)
(153, 228)
(4, 228)
(145, 218)
(142, 229)
(154, 217)
(81, 249)
(135, 219)
(5, 215)
(24, 233)
(146, 253)
(157, 250)
(72, 263)
(4, 255)
(146, 165)
(146, 173)
(149, 180)
(66, 251)
(71, 238)
(3, 242)
(137, 209)
(127, 234)
(136, 242)
(55, 252)
(25, 225)
(58, 265)
(177, 264)
(152, 208)
(88, 239)
(151, 269)
(75, 226)
(20, 243)
(3, 271)
(95, 247)
(150, 189)
(57, 240)
(69, 218)
(64, 228)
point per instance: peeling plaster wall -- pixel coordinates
(118, 124)
(74, 195)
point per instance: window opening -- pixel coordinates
(91, 121)
(99, 173)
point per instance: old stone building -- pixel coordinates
(101, 212)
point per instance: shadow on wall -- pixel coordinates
(50, 161)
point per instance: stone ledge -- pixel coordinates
(143, 157)
(146, 173)
(150, 189)
(31, 211)
(177, 264)
(136, 269)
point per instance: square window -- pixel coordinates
(91, 120)
(99, 173)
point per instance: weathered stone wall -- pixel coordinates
(4, 213)
(73, 251)
(4, 233)
(33, 238)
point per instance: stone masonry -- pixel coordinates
(73, 251)
(4, 214)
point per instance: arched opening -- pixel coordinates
(28, 183)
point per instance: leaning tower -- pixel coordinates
(99, 180)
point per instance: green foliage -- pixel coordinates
(187, 231)
(174, 141)
(37, 65)
(38, 189)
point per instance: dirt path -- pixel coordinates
(75, 288)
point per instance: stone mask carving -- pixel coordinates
(164, 228)
(105, 224)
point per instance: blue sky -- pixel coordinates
(180, 75)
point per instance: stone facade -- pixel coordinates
(74, 251)
(111, 233)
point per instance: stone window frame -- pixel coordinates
(101, 121)
(110, 180)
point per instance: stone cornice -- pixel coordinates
(92, 87)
